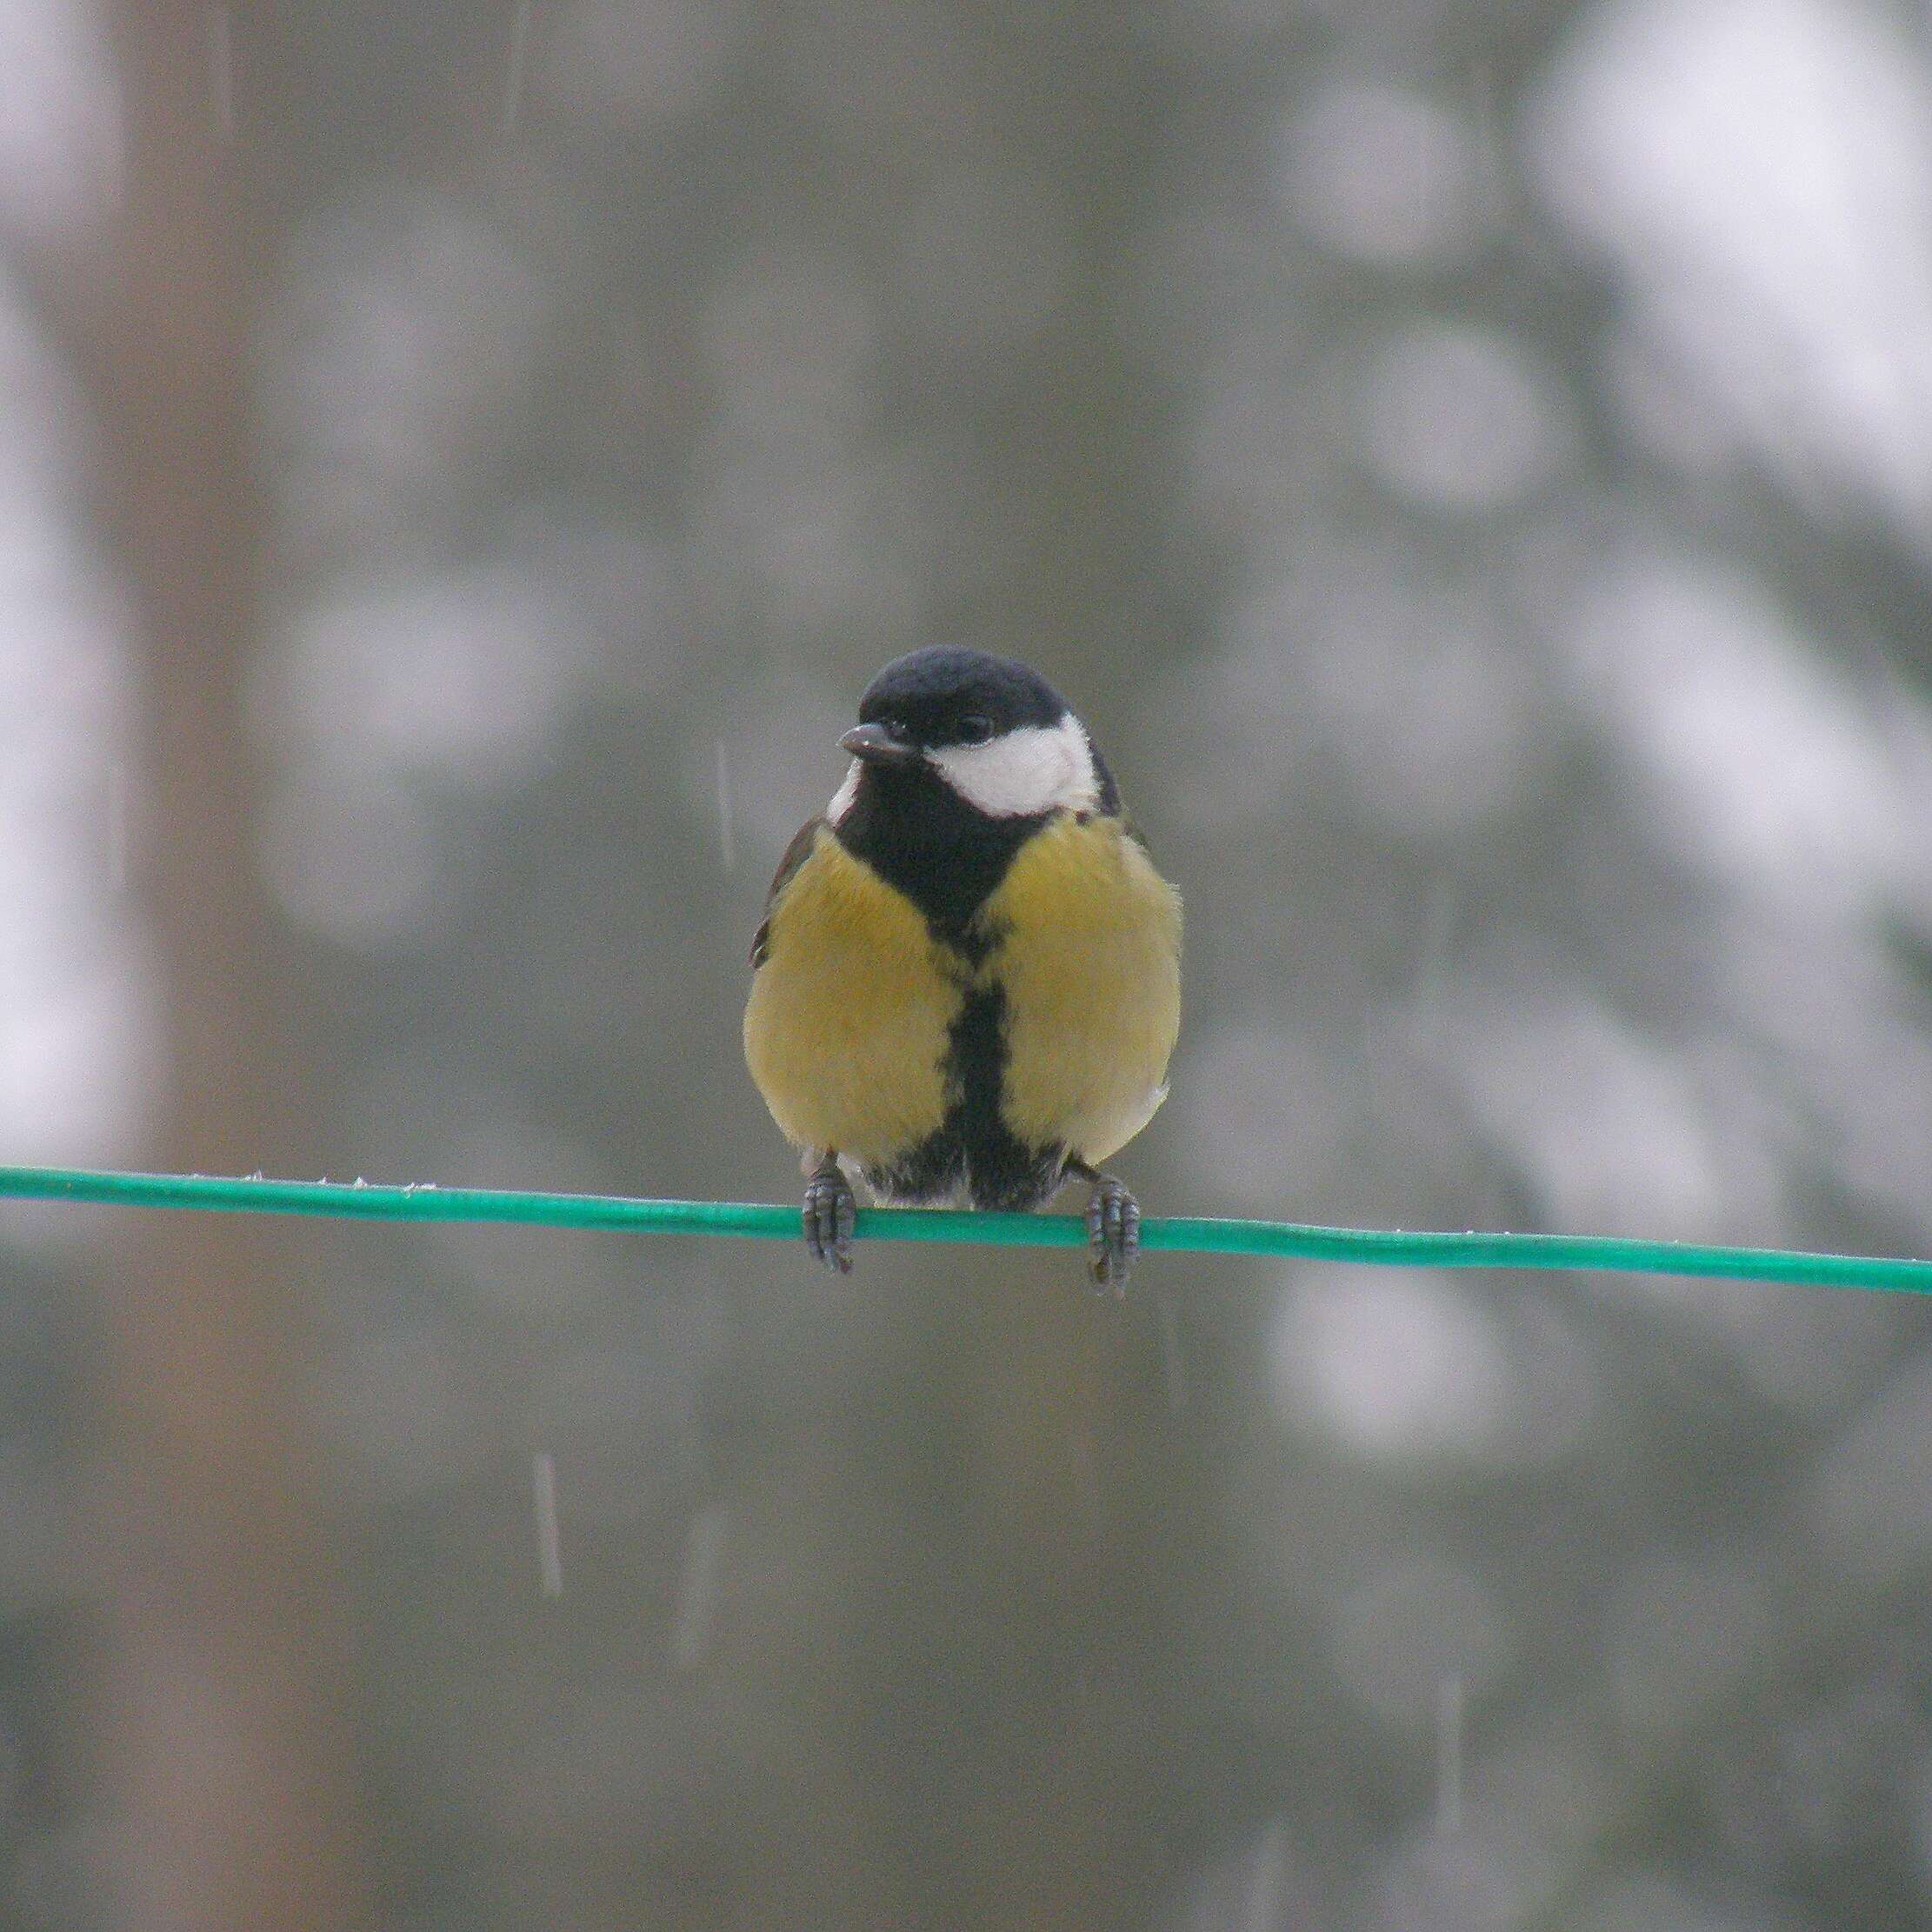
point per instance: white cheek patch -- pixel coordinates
(1037, 768)
(847, 795)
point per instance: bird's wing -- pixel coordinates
(795, 855)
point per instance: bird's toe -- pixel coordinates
(1112, 1235)
(830, 1219)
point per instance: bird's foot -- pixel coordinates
(831, 1214)
(1113, 1231)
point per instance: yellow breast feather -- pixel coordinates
(1089, 954)
(846, 1030)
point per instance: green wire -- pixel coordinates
(359, 1201)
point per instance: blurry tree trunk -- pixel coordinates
(224, 1745)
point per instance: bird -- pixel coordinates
(966, 985)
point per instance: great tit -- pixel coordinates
(967, 982)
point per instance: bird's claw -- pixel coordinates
(1112, 1235)
(831, 1214)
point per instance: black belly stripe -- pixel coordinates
(973, 1151)
(1002, 1171)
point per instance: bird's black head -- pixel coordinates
(994, 733)
(945, 695)
(958, 756)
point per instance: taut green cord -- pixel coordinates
(357, 1200)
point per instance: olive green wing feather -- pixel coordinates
(795, 855)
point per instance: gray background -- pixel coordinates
(1471, 465)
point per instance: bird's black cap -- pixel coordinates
(928, 697)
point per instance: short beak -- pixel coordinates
(876, 744)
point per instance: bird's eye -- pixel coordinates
(975, 730)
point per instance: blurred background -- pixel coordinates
(1470, 463)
